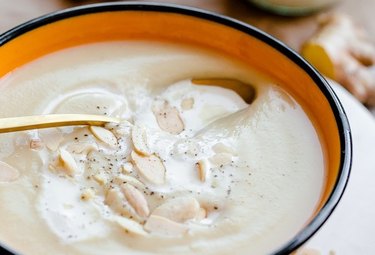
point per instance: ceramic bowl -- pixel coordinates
(155, 21)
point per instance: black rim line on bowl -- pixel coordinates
(341, 118)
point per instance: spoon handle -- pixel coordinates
(52, 120)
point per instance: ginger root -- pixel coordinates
(342, 51)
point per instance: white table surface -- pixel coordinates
(351, 228)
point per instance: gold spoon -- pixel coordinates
(53, 120)
(247, 92)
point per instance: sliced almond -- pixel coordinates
(104, 135)
(187, 103)
(87, 194)
(127, 168)
(52, 137)
(82, 147)
(150, 167)
(221, 159)
(130, 226)
(163, 226)
(68, 162)
(220, 147)
(168, 118)
(136, 199)
(139, 138)
(179, 209)
(202, 214)
(101, 179)
(203, 167)
(8, 173)
(123, 179)
(121, 129)
(36, 144)
(115, 199)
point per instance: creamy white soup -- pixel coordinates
(190, 169)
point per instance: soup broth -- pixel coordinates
(191, 169)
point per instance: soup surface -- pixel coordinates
(191, 169)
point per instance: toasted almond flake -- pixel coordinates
(8, 173)
(140, 142)
(121, 129)
(127, 168)
(104, 135)
(179, 209)
(136, 199)
(36, 144)
(220, 148)
(101, 179)
(122, 179)
(52, 137)
(168, 118)
(82, 147)
(87, 194)
(130, 226)
(187, 103)
(163, 226)
(68, 162)
(115, 199)
(202, 214)
(150, 167)
(203, 167)
(221, 159)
